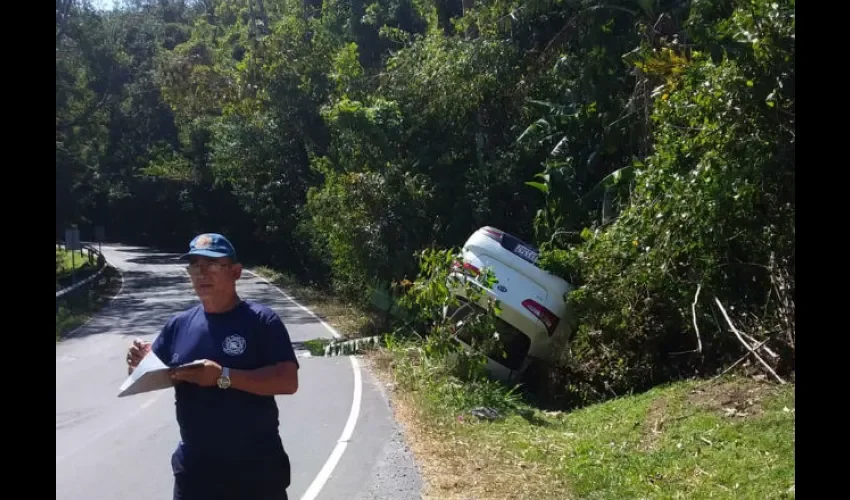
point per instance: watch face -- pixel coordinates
(224, 382)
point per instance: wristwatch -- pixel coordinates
(224, 379)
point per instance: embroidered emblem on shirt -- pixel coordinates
(234, 345)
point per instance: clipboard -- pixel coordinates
(150, 375)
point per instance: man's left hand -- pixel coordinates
(205, 375)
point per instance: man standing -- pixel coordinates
(230, 447)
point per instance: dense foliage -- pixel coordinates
(646, 145)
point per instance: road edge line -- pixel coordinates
(342, 443)
(300, 306)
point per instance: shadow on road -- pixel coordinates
(253, 289)
(145, 250)
(141, 281)
(158, 260)
(148, 299)
(145, 303)
(134, 317)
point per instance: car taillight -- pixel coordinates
(493, 234)
(466, 268)
(550, 321)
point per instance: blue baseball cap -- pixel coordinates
(210, 245)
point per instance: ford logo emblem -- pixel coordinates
(502, 288)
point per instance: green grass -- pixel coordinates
(69, 263)
(77, 307)
(666, 444)
(731, 438)
(316, 346)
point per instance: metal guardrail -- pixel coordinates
(76, 286)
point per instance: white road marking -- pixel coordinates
(286, 295)
(329, 466)
(325, 473)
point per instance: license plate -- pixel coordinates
(526, 253)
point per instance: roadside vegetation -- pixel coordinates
(76, 307)
(724, 436)
(72, 266)
(647, 148)
(731, 437)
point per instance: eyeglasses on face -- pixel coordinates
(209, 267)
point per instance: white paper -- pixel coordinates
(150, 375)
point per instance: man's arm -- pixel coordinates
(281, 376)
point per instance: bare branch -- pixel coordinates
(696, 328)
(745, 356)
(694, 316)
(753, 340)
(779, 279)
(741, 339)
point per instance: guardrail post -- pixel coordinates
(75, 285)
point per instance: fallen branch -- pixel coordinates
(753, 340)
(694, 316)
(741, 339)
(745, 356)
(696, 327)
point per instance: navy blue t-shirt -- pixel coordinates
(225, 424)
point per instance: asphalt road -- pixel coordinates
(338, 429)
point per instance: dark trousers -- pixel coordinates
(262, 478)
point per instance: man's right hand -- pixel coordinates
(138, 350)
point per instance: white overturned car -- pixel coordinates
(534, 318)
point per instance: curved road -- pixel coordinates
(338, 428)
